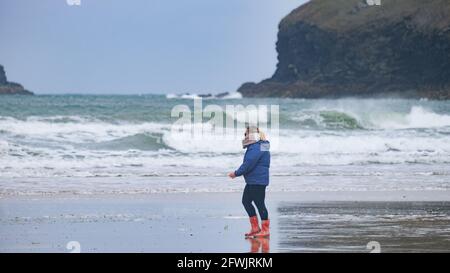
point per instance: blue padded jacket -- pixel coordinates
(255, 167)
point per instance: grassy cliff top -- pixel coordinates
(347, 15)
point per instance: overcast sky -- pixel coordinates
(139, 46)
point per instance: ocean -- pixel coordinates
(110, 143)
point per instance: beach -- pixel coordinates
(108, 173)
(400, 221)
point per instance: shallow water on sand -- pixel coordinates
(351, 226)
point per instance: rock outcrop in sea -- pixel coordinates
(338, 48)
(10, 88)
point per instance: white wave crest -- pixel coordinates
(235, 95)
(75, 132)
(418, 117)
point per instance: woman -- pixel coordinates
(255, 170)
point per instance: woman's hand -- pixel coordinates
(232, 175)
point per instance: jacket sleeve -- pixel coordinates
(251, 158)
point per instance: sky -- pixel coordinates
(139, 46)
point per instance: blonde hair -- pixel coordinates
(262, 136)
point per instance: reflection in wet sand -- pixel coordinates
(259, 245)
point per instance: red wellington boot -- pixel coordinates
(264, 229)
(255, 226)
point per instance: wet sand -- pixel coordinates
(215, 222)
(359, 226)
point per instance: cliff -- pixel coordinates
(337, 48)
(10, 88)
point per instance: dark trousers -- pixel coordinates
(255, 194)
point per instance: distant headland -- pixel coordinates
(339, 48)
(11, 88)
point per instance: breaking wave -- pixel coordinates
(312, 133)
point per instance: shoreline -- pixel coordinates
(275, 196)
